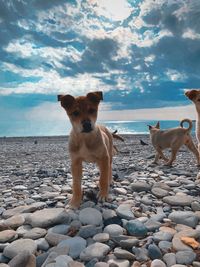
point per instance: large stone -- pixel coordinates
(23, 259)
(90, 216)
(114, 230)
(129, 243)
(89, 230)
(169, 259)
(96, 250)
(7, 236)
(123, 254)
(59, 261)
(19, 246)
(159, 192)
(178, 200)
(114, 262)
(152, 225)
(124, 212)
(140, 186)
(42, 244)
(136, 228)
(185, 257)
(48, 217)
(120, 190)
(101, 237)
(178, 244)
(23, 229)
(15, 221)
(162, 236)
(59, 229)
(108, 213)
(184, 217)
(76, 245)
(158, 263)
(154, 252)
(53, 239)
(35, 233)
(140, 253)
(165, 246)
(11, 212)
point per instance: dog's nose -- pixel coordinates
(87, 126)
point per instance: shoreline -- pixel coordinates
(60, 136)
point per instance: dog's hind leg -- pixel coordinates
(159, 154)
(173, 156)
(110, 175)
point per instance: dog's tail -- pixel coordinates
(115, 135)
(189, 122)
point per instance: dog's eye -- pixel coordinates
(76, 113)
(91, 110)
(198, 100)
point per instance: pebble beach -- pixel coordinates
(152, 218)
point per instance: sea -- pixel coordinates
(20, 129)
(141, 126)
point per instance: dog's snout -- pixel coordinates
(87, 126)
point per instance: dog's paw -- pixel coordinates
(73, 204)
(198, 176)
(102, 196)
(168, 164)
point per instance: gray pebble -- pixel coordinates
(185, 257)
(169, 259)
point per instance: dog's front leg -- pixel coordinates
(157, 156)
(104, 167)
(76, 169)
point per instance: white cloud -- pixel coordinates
(191, 34)
(52, 83)
(138, 67)
(26, 49)
(116, 10)
(150, 58)
(39, 72)
(174, 75)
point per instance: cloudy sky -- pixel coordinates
(143, 54)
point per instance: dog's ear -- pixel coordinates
(95, 97)
(59, 97)
(191, 94)
(150, 127)
(66, 100)
(157, 125)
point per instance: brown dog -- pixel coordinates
(194, 95)
(88, 142)
(172, 138)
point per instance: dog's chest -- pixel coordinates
(87, 153)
